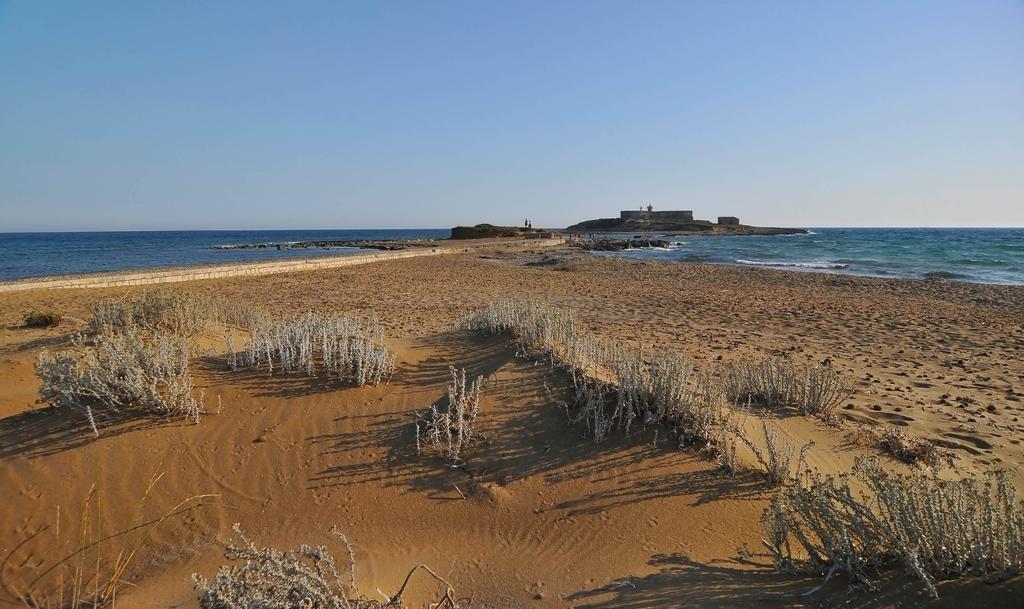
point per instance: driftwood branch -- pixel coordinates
(447, 600)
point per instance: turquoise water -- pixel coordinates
(982, 255)
(25, 255)
(978, 255)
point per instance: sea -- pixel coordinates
(981, 255)
(24, 255)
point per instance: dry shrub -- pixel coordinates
(768, 382)
(592, 406)
(777, 457)
(933, 528)
(153, 312)
(633, 400)
(41, 319)
(451, 429)
(816, 389)
(347, 348)
(614, 386)
(819, 391)
(614, 393)
(174, 312)
(909, 448)
(689, 402)
(539, 327)
(543, 330)
(727, 447)
(136, 363)
(121, 372)
(669, 379)
(307, 577)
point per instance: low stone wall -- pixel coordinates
(256, 268)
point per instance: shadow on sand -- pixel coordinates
(525, 432)
(50, 430)
(682, 582)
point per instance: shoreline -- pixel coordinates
(177, 274)
(825, 268)
(196, 272)
(985, 258)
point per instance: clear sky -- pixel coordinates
(187, 115)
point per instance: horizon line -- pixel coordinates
(210, 230)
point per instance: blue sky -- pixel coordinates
(190, 115)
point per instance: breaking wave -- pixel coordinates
(800, 265)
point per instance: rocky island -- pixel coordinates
(674, 223)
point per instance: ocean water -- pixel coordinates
(981, 255)
(976, 255)
(24, 255)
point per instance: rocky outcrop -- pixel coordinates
(617, 245)
(487, 231)
(691, 227)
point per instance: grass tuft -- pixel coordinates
(96, 569)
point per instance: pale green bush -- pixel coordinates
(816, 389)
(451, 429)
(933, 528)
(120, 372)
(347, 348)
(167, 311)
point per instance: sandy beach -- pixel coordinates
(589, 305)
(540, 515)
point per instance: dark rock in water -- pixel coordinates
(487, 231)
(617, 245)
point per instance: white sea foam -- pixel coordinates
(802, 265)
